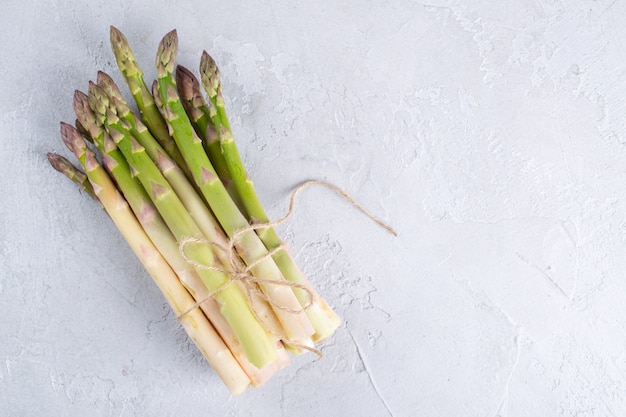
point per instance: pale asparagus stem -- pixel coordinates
(195, 323)
(66, 168)
(322, 317)
(164, 240)
(249, 247)
(166, 244)
(234, 306)
(211, 308)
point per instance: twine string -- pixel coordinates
(302, 187)
(237, 271)
(242, 273)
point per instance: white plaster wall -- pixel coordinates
(492, 135)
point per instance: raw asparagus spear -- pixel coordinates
(200, 113)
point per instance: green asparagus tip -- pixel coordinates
(61, 164)
(118, 40)
(85, 115)
(80, 99)
(190, 92)
(186, 82)
(210, 74)
(82, 109)
(123, 54)
(99, 102)
(111, 89)
(166, 54)
(105, 81)
(66, 168)
(72, 138)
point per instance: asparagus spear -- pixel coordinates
(251, 249)
(234, 306)
(195, 323)
(210, 75)
(200, 114)
(322, 317)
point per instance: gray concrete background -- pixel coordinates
(492, 135)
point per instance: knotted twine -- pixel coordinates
(238, 271)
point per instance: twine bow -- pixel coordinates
(238, 271)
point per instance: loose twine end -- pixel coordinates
(342, 193)
(237, 271)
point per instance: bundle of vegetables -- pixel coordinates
(174, 184)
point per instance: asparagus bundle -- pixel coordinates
(172, 181)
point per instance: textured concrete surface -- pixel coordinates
(492, 135)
